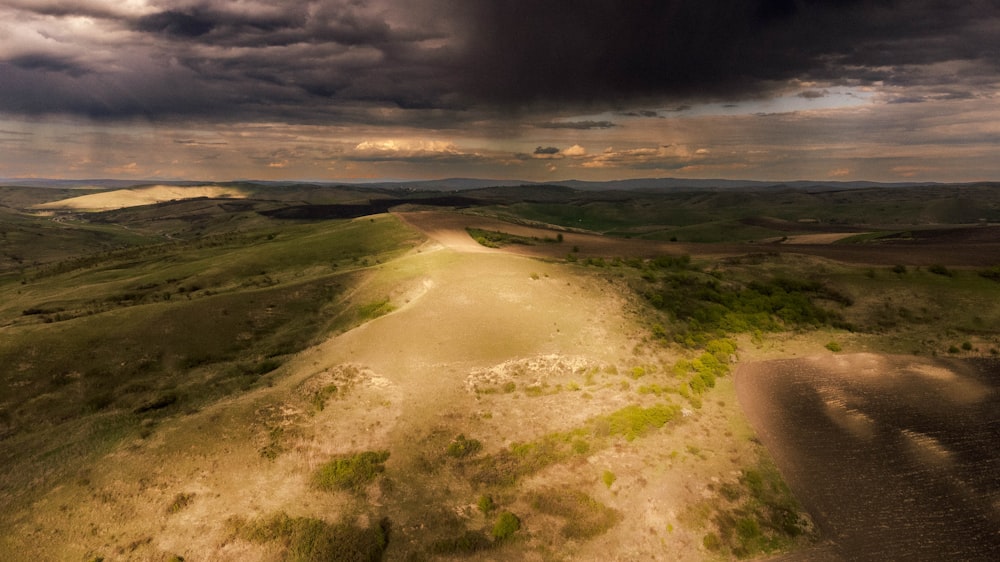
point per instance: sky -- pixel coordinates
(539, 90)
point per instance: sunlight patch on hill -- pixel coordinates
(135, 197)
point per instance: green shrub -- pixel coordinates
(505, 526)
(706, 305)
(497, 239)
(763, 516)
(632, 421)
(992, 273)
(608, 478)
(180, 502)
(461, 447)
(351, 472)
(320, 397)
(486, 504)
(833, 346)
(967, 346)
(941, 270)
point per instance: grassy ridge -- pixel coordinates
(97, 348)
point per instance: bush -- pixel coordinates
(180, 502)
(833, 346)
(461, 447)
(633, 421)
(992, 273)
(351, 472)
(486, 504)
(941, 270)
(506, 525)
(608, 478)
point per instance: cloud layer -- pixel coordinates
(336, 59)
(553, 74)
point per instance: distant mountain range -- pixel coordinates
(463, 184)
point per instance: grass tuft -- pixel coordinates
(351, 472)
(314, 540)
(583, 516)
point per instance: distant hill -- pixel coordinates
(464, 184)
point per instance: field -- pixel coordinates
(261, 379)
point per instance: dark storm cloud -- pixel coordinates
(642, 113)
(546, 150)
(48, 63)
(524, 52)
(812, 94)
(176, 23)
(449, 61)
(579, 125)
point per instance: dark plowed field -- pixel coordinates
(896, 458)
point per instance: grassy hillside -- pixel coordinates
(738, 215)
(197, 378)
(99, 347)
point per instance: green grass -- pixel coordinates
(724, 215)
(762, 515)
(582, 516)
(469, 542)
(117, 337)
(608, 478)
(462, 447)
(374, 309)
(506, 467)
(497, 239)
(307, 539)
(352, 472)
(505, 526)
